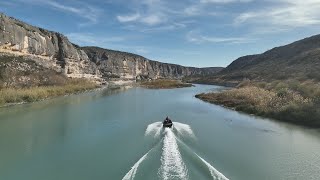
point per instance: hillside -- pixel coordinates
(282, 83)
(299, 60)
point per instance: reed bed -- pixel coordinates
(31, 94)
(165, 84)
(293, 102)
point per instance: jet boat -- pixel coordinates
(167, 123)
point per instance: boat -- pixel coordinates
(167, 123)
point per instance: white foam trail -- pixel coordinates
(183, 129)
(172, 166)
(216, 175)
(154, 129)
(132, 173)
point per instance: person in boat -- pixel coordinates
(167, 120)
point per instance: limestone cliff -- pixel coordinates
(53, 50)
(49, 48)
(116, 64)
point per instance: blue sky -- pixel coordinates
(198, 33)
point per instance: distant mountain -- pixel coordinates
(299, 60)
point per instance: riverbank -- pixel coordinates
(291, 101)
(11, 95)
(164, 84)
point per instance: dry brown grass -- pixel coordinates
(165, 84)
(297, 103)
(31, 94)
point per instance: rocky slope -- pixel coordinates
(299, 60)
(17, 71)
(54, 51)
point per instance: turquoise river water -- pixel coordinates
(116, 134)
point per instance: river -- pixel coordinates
(117, 134)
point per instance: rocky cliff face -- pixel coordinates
(116, 64)
(50, 48)
(53, 50)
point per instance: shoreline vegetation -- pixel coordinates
(288, 101)
(164, 84)
(20, 95)
(13, 95)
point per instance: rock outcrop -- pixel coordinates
(53, 50)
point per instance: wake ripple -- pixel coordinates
(216, 175)
(172, 166)
(183, 129)
(132, 173)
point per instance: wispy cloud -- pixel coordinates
(150, 13)
(150, 20)
(128, 18)
(153, 19)
(201, 7)
(161, 28)
(198, 38)
(284, 13)
(83, 10)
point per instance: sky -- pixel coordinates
(199, 33)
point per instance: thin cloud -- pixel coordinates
(83, 10)
(160, 28)
(154, 19)
(128, 18)
(149, 20)
(150, 13)
(198, 38)
(293, 13)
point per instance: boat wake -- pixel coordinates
(154, 129)
(172, 165)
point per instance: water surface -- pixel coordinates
(116, 134)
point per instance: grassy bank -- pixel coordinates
(290, 101)
(31, 94)
(164, 84)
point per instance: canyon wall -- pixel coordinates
(53, 50)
